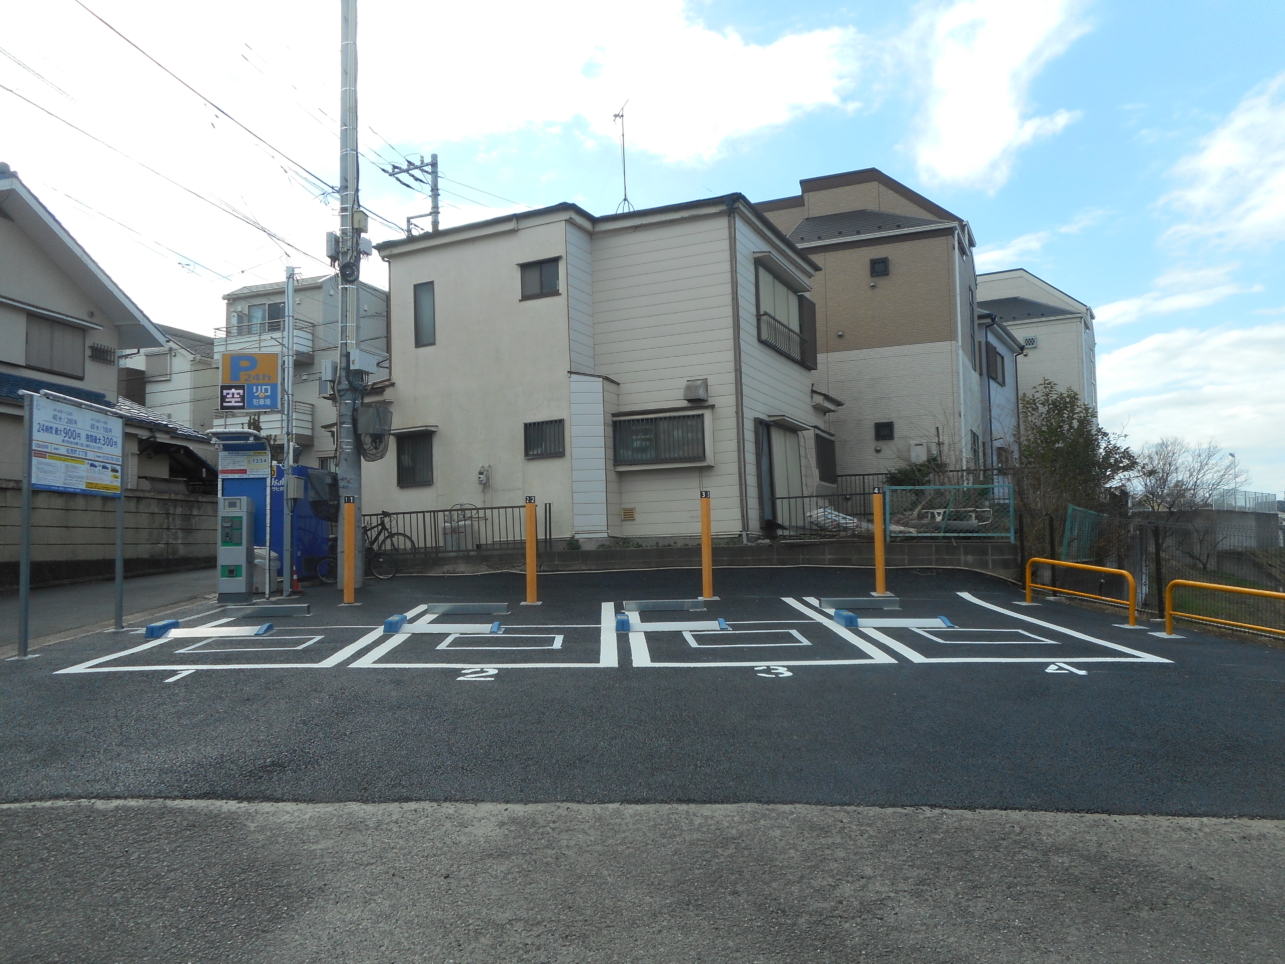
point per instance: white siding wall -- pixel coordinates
(588, 438)
(579, 282)
(662, 315)
(772, 384)
(1062, 356)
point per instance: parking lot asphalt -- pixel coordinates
(1049, 708)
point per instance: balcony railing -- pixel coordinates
(270, 423)
(780, 337)
(265, 336)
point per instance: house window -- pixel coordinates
(995, 365)
(884, 431)
(827, 463)
(103, 354)
(540, 278)
(786, 320)
(158, 365)
(879, 267)
(414, 459)
(666, 438)
(975, 445)
(544, 440)
(425, 315)
(55, 347)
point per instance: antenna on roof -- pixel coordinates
(624, 205)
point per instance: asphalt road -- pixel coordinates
(1202, 735)
(997, 789)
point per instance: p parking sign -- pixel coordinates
(251, 382)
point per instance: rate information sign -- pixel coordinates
(75, 449)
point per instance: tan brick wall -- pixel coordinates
(913, 305)
(786, 219)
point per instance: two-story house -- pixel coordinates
(1056, 330)
(179, 381)
(612, 366)
(897, 326)
(256, 323)
(63, 324)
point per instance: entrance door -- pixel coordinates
(780, 466)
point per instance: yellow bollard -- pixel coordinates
(532, 596)
(707, 548)
(881, 573)
(350, 552)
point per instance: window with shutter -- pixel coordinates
(55, 347)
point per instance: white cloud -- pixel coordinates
(1222, 383)
(690, 89)
(997, 257)
(1179, 289)
(1234, 190)
(984, 55)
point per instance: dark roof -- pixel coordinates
(1021, 309)
(11, 385)
(850, 224)
(194, 342)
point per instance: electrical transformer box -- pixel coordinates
(236, 549)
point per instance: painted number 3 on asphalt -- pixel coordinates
(772, 671)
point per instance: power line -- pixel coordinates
(480, 191)
(220, 205)
(316, 177)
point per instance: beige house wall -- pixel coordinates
(28, 275)
(498, 362)
(645, 305)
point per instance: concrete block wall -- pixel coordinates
(74, 536)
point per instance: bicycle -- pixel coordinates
(381, 536)
(379, 564)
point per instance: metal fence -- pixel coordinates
(1157, 551)
(428, 536)
(822, 516)
(951, 511)
(859, 483)
(1206, 551)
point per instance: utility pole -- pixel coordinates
(352, 222)
(412, 171)
(287, 413)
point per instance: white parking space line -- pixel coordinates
(1137, 654)
(608, 645)
(874, 652)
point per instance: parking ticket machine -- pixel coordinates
(236, 549)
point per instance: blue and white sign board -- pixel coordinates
(75, 449)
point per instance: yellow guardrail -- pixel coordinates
(1131, 602)
(1264, 593)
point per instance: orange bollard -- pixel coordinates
(707, 548)
(350, 553)
(532, 596)
(881, 571)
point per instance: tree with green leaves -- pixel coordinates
(1066, 457)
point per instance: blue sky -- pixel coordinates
(1131, 154)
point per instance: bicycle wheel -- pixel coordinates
(381, 565)
(397, 542)
(328, 570)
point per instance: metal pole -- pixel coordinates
(347, 393)
(24, 557)
(287, 413)
(707, 548)
(432, 190)
(120, 553)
